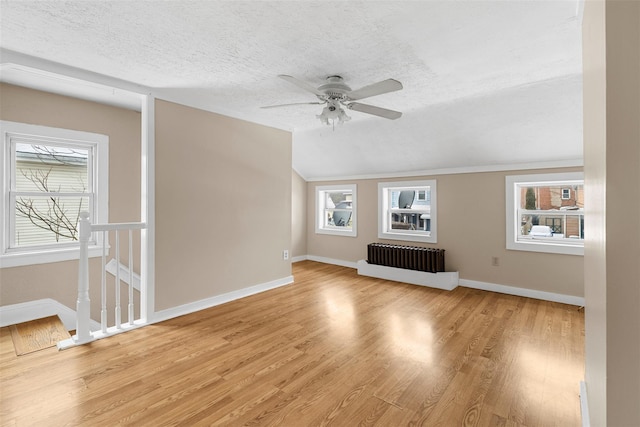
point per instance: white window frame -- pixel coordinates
(99, 171)
(321, 227)
(512, 185)
(568, 190)
(384, 215)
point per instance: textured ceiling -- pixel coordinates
(486, 83)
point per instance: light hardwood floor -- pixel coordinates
(334, 348)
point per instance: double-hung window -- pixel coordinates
(545, 213)
(336, 210)
(50, 175)
(407, 211)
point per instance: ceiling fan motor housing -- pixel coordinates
(335, 88)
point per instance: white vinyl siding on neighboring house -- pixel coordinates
(70, 176)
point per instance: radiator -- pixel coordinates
(409, 257)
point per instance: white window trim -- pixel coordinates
(337, 231)
(383, 203)
(512, 209)
(42, 255)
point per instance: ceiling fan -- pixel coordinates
(336, 94)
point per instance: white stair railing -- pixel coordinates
(83, 309)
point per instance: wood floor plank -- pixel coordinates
(333, 348)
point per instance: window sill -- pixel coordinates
(546, 246)
(46, 256)
(409, 237)
(336, 232)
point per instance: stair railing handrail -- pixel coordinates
(83, 310)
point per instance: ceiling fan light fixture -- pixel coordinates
(332, 112)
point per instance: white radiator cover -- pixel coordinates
(443, 280)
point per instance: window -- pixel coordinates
(50, 175)
(545, 213)
(407, 211)
(336, 210)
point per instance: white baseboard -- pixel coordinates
(192, 307)
(493, 287)
(444, 280)
(584, 406)
(32, 310)
(298, 258)
(339, 262)
(24, 312)
(523, 292)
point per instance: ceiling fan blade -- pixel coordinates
(385, 86)
(302, 85)
(376, 111)
(295, 103)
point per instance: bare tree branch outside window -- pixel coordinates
(41, 167)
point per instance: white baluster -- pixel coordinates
(83, 305)
(117, 287)
(130, 277)
(103, 288)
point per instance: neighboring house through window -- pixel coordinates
(336, 210)
(545, 213)
(50, 176)
(407, 211)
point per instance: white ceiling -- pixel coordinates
(487, 84)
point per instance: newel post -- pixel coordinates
(83, 310)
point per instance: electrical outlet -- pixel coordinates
(285, 254)
(495, 261)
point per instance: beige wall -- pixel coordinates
(206, 245)
(223, 204)
(471, 228)
(59, 281)
(611, 56)
(298, 215)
